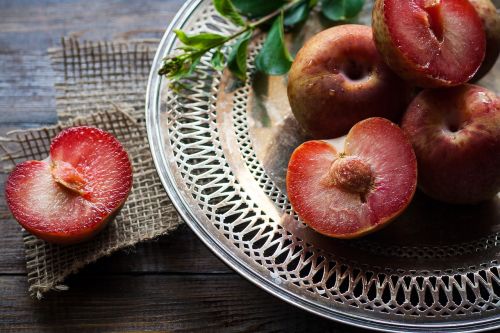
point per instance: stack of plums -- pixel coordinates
(412, 67)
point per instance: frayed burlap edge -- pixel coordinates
(99, 84)
(147, 214)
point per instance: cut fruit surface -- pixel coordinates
(352, 193)
(431, 43)
(68, 197)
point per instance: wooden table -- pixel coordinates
(173, 284)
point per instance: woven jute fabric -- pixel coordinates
(93, 75)
(102, 85)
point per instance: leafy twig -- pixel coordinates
(273, 59)
(196, 46)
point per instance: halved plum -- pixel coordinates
(68, 197)
(355, 192)
(431, 43)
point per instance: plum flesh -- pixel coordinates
(68, 197)
(431, 43)
(355, 192)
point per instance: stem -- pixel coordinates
(277, 12)
(248, 27)
(265, 19)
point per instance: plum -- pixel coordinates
(70, 196)
(357, 191)
(338, 78)
(455, 133)
(431, 43)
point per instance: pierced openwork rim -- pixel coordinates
(242, 265)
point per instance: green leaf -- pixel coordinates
(353, 7)
(195, 60)
(339, 10)
(227, 9)
(237, 61)
(218, 60)
(297, 14)
(179, 73)
(187, 68)
(201, 41)
(274, 58)
(170, 65)
(257, 8)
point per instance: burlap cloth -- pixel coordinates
(101, 84)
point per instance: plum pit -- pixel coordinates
(66, 175)
(352, 174)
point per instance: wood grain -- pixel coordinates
(167, 303)
(28, 28)
(27, 94)
(37, 25)
(181, 252)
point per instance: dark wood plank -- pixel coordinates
(181, 303)
(27, 94)
(29, 25)
(180, 252)
(28, 28)
(12, 248)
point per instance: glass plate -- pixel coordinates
(221, 150)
